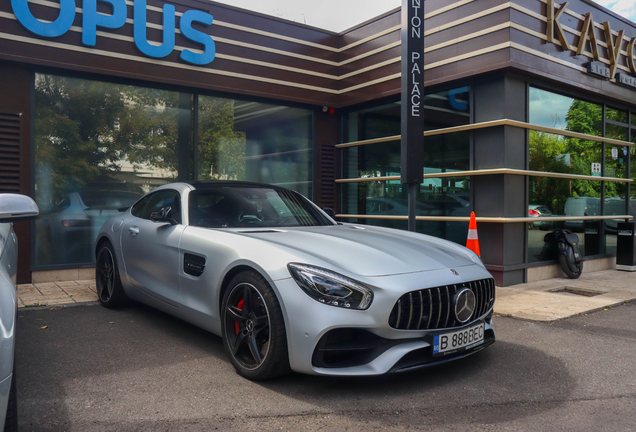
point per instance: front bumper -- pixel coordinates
(389, 350)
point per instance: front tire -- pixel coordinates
(254, 329)
(107, 280)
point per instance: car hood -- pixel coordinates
(367, 251)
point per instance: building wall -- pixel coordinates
(467, 43)
(16, 119)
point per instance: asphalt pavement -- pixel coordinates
(87, 368)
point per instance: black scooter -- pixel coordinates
(565, 244)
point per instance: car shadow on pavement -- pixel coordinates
(72, 360)
(510, 380)
(91, 368)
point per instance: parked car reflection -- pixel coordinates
(391, 206)
(72, 226)
(581, 206)
(616, 206)
(539, 211)
(437, 205)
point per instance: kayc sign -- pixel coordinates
(596, 67)
(91, 20)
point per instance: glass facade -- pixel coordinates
(100, 146)
(253, 141)
(441, 196)
(550, 153)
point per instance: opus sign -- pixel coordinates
(92, 20)
(555, 31)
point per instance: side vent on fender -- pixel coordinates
(193, 264)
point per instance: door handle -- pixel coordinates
(133, 230)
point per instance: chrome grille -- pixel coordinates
(433, 308)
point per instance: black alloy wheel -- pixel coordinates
(109, 290)
(254, 329)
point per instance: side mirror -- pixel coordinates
(14, 207)
(330, 212)
(163, 215)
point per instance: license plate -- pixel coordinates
(461, 339)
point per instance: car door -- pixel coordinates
(151, 249)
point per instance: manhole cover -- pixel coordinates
(578, 291)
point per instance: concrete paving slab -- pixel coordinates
(56, 293)
(559, 298)
(66, 283)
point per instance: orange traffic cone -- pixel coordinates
(472, 242)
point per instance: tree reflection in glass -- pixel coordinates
(98, 147)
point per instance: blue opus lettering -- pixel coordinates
(209, 48)
(56, 28)
(139, 27)
(91, 20)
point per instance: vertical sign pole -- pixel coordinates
(412, 115)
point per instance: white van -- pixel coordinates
(616, 206)
(581, 206)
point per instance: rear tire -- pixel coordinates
(107, 280)
(567, 270)
(254, 329)
(11, 420)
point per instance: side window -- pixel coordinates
(63, 205)
(156, 201)
(138, 209)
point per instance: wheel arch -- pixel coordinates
(225, 284)
(100, 241)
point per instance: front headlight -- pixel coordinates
(331, 288)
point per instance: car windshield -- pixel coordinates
(239, 206)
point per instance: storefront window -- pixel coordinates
(560, 154)
(616, 115)
(253, 141)
(98, 148)
(562, 112)
(562, 197)
(615, 204)
(442, 196)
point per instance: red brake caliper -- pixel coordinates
(240, 306)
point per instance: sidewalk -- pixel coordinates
(547, 300)
(554, 299)
(56, 293)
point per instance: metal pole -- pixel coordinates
(412, 102)
(412, 204)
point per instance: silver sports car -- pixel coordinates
(12, 208)
(289, 288)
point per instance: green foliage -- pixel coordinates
(85, 129)
(560, 154)
(221, 148)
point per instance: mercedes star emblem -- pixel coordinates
(464, 305)
(455, 272)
